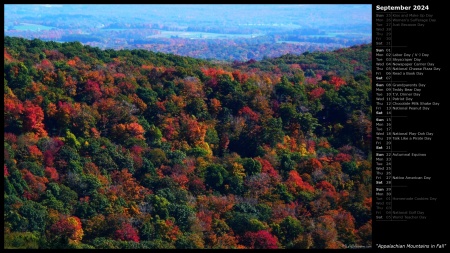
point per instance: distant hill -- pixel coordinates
(241, 32)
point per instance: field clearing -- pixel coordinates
(30, 27)
(200, 35)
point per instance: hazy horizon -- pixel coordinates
(230, 27)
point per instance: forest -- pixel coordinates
(133, 149)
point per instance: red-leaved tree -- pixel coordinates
(126, 233)
(68, 227)
(33, 115)
(260, 240)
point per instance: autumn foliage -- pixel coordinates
(68, 227)
(135, 149)
(260, 240)
(126, 233)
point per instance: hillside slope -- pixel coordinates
(134, 149)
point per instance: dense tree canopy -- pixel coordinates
(135, 149)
